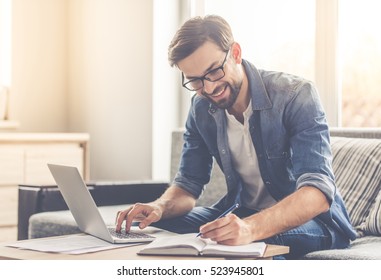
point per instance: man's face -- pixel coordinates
(207, 58)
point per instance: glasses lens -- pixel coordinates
(215, 75)
(194, 84)
(212, 76)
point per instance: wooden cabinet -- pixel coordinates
(23, 160)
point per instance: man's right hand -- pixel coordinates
(173, 203)
(145, 214)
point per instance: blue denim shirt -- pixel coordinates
(290, 135)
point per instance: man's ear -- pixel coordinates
(236, 53)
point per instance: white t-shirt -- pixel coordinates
(254, 194)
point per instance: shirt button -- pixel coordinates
(223, 151)
(268, 183)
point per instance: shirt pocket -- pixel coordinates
(279, 162)
(277, 150)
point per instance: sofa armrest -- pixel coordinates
(40, 198)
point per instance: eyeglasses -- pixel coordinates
(212, 76)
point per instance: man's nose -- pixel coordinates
(209, 87)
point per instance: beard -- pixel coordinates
(229, 101)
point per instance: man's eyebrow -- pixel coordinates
(211, 67)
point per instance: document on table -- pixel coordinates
(68, 244)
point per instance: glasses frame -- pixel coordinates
(221, 67)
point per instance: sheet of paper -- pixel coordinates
(68, 244)
(79, 243)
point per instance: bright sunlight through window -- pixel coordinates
(360, 49)
(280, 35)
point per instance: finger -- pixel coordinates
(225, 235)
(152, 217)
(218, 234)
(119, 221)
(120, 217)
(117, 217)
(136, 210)
(236, 232)
(208, 228)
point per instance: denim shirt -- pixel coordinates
(290, 135)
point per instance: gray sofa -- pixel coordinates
(356, 163)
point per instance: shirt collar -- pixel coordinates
(259, 96)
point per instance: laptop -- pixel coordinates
(84, 209)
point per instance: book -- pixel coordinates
(190, 245)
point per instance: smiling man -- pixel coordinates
(268, 133)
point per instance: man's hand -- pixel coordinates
(228, 230)
(173, 203)
(294, 210)
(144, 213)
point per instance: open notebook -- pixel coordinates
(189, 244)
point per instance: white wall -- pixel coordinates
(86, 66)
(5, 44)
(39, 63)
(110, 84)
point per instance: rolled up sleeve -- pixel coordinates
(322, 182)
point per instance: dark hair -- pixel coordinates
(195, 32)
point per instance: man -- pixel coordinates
(268, 133)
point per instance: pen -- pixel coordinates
(231, 209)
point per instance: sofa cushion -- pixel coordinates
(45, 224)
(215, 189)
(373, 221)
(357, 167)
(364, 248)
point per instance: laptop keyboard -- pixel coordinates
(129, 235)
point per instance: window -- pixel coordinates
(360, 49)
(274, 34)
(335, 43)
